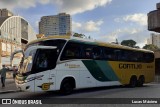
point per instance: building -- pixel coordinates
(153, 19)
(5, 13)
(149, 41)
(55, 25)
(154, 39)
(15, 33)
(154, 25)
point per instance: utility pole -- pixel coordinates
(0, 53)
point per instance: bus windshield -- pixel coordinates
(59, 43)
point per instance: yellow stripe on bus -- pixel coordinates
(124, 70)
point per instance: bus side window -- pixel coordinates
(87, 52)
(139, 56)
(97, 53)
(71, 51)
(126, 55)
(148, 57)
(109, 54)
(118, 54)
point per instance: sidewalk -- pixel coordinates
(9, 86)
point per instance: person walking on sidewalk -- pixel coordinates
(14, 71)
(3, 75)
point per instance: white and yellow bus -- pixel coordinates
(66, 63)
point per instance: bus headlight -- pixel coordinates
(19, 82)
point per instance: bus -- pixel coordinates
(64, 63)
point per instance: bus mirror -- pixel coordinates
(30, 59)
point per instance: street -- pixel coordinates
(148, 91)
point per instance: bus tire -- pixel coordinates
(133, 81)
(66, 87)
(141, 81)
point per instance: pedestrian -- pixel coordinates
(14, 71)
(3, 75)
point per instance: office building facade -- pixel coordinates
(154, 39)
(55, 25)
(5, 13)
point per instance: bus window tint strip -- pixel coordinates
(79, 50)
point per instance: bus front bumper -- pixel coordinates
(23, 86)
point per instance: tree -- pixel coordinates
(79, 35)
(130, 43)
(69, 33)
(136, 47)
(150, 47)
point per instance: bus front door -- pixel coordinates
(44, 63)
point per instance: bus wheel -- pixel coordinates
(133, 82)
(141, 81)
(66, 87)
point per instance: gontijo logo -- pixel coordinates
(130, 66)
(72, 65)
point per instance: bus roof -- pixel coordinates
(89, 41)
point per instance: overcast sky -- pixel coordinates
(105, 20)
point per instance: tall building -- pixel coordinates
(55, 25)
(5, 13)
(15, 33)
(149, 41)
(154, 39)
(153, 19)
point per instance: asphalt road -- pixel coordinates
(151, 90)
